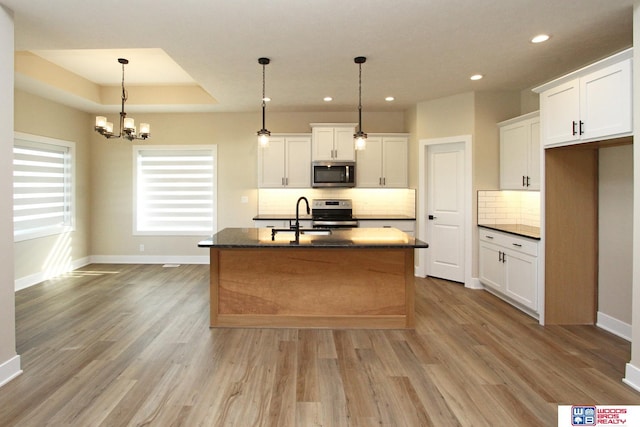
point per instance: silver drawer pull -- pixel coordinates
(489, 237)
(517, 244)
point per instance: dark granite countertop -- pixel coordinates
(367, 217)
(515, 229)
(383, 238)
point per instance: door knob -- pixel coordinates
(431, 217)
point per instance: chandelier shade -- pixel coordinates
(127, 128)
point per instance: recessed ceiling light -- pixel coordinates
(327, 99)
(540, 38)
(389, 98)
(476, 77)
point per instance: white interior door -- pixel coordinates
(446, 211)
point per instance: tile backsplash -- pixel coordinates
(509, 207)
(366, 201)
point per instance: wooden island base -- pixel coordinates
(312, 288)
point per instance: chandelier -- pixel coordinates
(127, 125)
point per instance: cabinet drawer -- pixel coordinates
(509, 241)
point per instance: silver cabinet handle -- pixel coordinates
(517, 244)
(489, 237)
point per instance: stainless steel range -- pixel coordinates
(332, 213)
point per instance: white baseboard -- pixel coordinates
(613, 325)
(9, 370)
(149, 259)
(632, 377)
(474, 283)
(34, 279)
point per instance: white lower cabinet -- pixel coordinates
(509, 266)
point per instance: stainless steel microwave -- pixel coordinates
(333, 174)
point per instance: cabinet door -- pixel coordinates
(343, 143)
(394, 162)
(521, 278)
(560, 112)
(322, 143)
(271, 164)
(533, 167)
(298, 162)
(514, 149)
(605, 101)
(369, 164)
(491, 268)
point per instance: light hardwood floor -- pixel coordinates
(118, 345)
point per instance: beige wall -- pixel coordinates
(615, 225)
(39, 116)
(7, 296)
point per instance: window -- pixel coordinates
(43, 196)
(175, 190)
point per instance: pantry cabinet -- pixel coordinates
(286, 162)
(508, 265)
(594, 103)
(333, 141)
(520, 153)
(384, 162)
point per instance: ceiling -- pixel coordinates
(416, 49)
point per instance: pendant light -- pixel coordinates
(263, 134)
(360, 138)
(127, 125)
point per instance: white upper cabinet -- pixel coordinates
(286, 162)
(594, 103)
(520, 153)
(384, 162)
(332, 141)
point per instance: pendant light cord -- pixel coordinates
(359, 97)
(263, 96)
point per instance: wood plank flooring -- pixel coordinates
(130, 345)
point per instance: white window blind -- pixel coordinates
(175, 190)
(42, 186)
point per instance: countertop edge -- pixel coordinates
(503, 230)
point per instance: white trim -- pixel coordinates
(603, 63)
(468, 206)
(632, 377)
(613, 325)
(34, 279)
(10, 370)
(149, 259)
(475, 284)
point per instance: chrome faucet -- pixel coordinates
(297, 225)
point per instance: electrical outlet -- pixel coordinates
(141, 248)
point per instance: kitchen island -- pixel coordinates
(338, 278)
